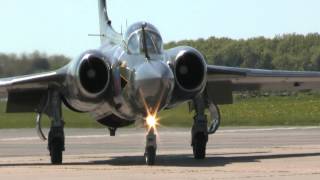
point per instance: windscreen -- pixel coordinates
(142, 38)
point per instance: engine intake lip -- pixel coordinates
(94, 75)
(190, 71)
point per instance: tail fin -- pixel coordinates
(108, 34)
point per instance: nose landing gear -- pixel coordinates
(151, 147)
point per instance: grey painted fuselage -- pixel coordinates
(140, 84)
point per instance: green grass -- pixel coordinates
(298, 110)
(27, 120)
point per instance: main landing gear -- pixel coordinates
(200, 130)
(56, 138)
(56, 135)
(56, 144)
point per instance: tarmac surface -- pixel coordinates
(263, 153)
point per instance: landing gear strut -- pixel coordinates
(112, 131)
(56, 136)
(151, 147)
(199, 130)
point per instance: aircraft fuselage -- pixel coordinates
(141, 85)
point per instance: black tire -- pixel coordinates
(56, 152)
(199, 146)
(150, 156)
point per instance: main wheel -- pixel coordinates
(150, 155)
(199, 146)
(56, 152)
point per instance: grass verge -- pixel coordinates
(297, 110)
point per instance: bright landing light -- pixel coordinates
(151, 121)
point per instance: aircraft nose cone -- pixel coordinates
(154, 83)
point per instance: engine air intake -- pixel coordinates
(94, 75)
(190, 71)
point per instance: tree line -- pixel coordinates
(288, 52)
(14, 65)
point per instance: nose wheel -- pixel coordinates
(151, 147)
(150, 156)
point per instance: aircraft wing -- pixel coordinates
(222, 81)
(24, 93)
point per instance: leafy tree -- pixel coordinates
(288, 51)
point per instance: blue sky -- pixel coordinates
(62, 26)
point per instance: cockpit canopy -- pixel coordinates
(135, 42)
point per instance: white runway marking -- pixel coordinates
(266, 129)
(123, 135)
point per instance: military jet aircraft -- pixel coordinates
(131, 78)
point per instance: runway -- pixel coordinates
(232, 153)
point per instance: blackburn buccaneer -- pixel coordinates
(131, 78)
